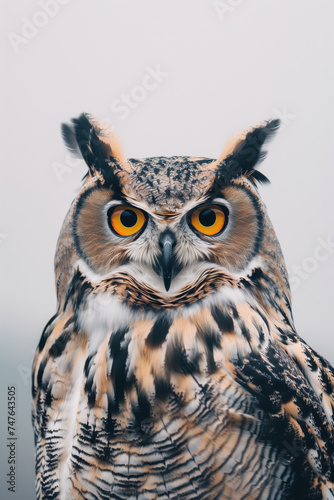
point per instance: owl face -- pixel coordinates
(166, 221)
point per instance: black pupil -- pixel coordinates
(207, 217)
(128, 218)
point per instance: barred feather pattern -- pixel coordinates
(183, 404)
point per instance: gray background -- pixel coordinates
(257, 59)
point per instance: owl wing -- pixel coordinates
(56, 384)
(316, 370)
(294, 386)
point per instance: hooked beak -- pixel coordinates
(167, 242)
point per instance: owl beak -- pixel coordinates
(167, 242)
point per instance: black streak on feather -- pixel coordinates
(143, 409)
(40, 372)
(46, 333)
(223, 320)
(178, 361)
(162, 388)
(118, 373)
(90, 390)
(59, 345)
(159, 331)
(48, 397)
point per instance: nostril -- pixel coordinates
(167, 238)
(167, 242)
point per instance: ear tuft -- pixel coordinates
(243, 152)
(97, 144)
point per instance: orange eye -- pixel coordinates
(126, 221)
(209, 220)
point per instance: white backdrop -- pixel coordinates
(215, 67)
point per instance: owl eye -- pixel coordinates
(126, 221)
(209, 220)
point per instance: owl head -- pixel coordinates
(171, 229)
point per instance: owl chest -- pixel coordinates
(137, 361)
(154, 406)
(185, 436)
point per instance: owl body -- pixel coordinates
(172, 368)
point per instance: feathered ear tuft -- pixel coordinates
(69, 138)
(98, 145)
(242, 153)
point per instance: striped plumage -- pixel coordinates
(201, 391)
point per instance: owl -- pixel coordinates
(172, 368)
